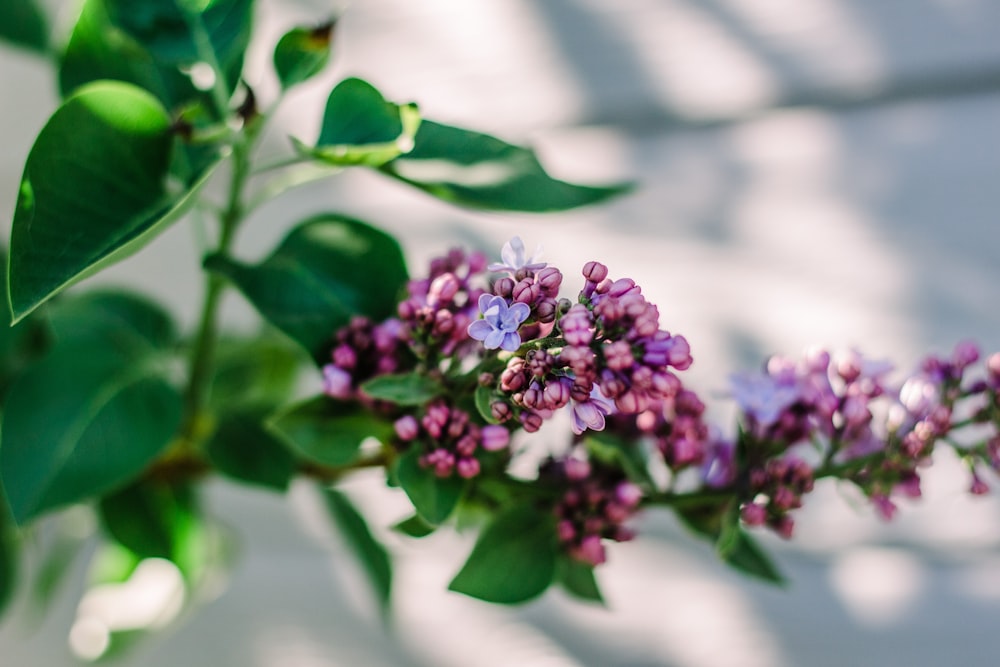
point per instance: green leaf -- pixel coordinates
(370, 552)
(614, 450)
(92, 191)
(434, 498)
(404, 388)
(302, 53)
(326, 431)
(480, 171)
(578, 579)
(744, 554)
(23, 23)
(414, 527)
(484, 398)
(164, 30)
(361, 128)
(150, 517)
(253, 371)
(514, 559)
(327, 270)
(94, 412)
(9, 552)
(242, 448)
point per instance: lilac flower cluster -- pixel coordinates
(594, 505)
(510, 354)
(440, 307)
(360, 351)
(450, 439)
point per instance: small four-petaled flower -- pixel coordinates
(500, 322)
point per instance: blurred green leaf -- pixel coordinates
(433, 497)
(414, 527)
(361, 128)
(92, 191)
(404, 388)
(260, 370)
(242, 448)
(165, 31)
(328, 269)
(150, 517)
(23, 23)
(301, 53)
(620, 452)
(370, 552)
(326, 431)
(9, 552)
(94, 412)
(578, 579)
(484, 397)
(514, 559)
(742, 552)
(480, 171)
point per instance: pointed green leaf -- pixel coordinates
(434, 498)
(403, 388)
(328, 269)
(326, 431)
(242, 448)
(480, 171)
(150, 517)
(744, 554)
(92, 192)
(23, 23)
(301, 53)
(361, 128)
(578, 579)
(514, 559)
(254, 371)
(94, 412)
(414, 527)
(370, 552)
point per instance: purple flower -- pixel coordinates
(761, 396)
(514, 258)
(500, 322)
(591, 412)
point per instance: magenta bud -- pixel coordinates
(504, 287)
(467, 467)
(336, 382)
(566, 531)
(494, 438)
(595, 272)
(576, 469)
(442, 290)
(753, 514)
(501, 411)
(590, 550)
(966, 353)
(628, 494)
(525, 291)
(407, 428)
(549, 279)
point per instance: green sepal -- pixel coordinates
(361, 128)
(370, 552)
(403, 388)
(327, 270)
(302, 53)
(479, 171)
(328, 432)
(514, 559)
(433, 497)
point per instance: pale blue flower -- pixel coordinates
(514, 257)
(762, 396)
(500, 322)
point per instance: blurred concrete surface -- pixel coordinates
(809, 172)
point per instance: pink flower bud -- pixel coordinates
(753, 514)
(467, 467)
(576, 469)
(494, 438)
(407, 428)
(595, 272)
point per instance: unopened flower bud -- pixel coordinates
(494, 438)
(407, 428)
(595, 272)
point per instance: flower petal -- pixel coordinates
(480, 329)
